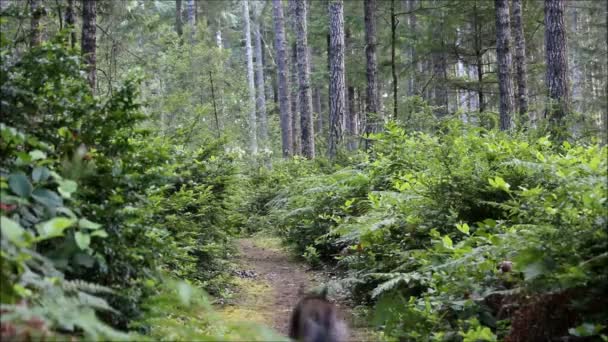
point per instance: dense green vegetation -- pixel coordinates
(459, 233)
(125, 181)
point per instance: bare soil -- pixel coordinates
(286, 279)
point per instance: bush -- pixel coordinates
(455, 230)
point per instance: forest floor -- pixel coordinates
(269, 285)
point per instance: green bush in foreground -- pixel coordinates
(450, 234)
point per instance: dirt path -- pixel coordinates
(270, 283)
(284, 276)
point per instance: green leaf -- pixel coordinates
(20, 185)
(184, 292)
(40, 174)
(54, 227)
(100, 233)
(463, 228)
(447, 242)
(82, 240)
(499, 183)
(67, 187)
(37, 155)
(533, 270)
(11, 230)
(86, 224)
(586, 330)
(48, 198)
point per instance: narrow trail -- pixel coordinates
(270, 284)
(283, 275)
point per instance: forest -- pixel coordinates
(179, 170)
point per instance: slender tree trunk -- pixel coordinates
(336, 76)
(351, 124)
(191, 10)
(261, 93)
(393, 61)
(295, 104)
(37, 9)
(307, 126)
(283, 79)
(253, 142)
(412, 26)
(316, 102)
(557, 66)
(372, 105)
(88, 45)
(179, 25)
(503, 56)
(520, 61)
(70, 20)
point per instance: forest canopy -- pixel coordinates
(444, 161)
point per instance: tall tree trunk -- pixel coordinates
(372, 104)
(316, 102)
(253, 142)
(179, 24)
(439, 60)
(393, 61)
(351, 124)
(37, 9)
(306, 119)
(412, 27)
(70, 20)
(520, 61)
(295, 104)
(283, 79)
(88, 40)
(261, 94)
(336, 76)
(478, 58)
(557, 66)
(503, 56)
(191, 10)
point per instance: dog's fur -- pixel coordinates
(315, 319)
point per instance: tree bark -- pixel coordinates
(412, 26)
(37, 10)
(283, 79)
(89, 39)
(261, 89)
(503, 56)
(520, 61)
(372, 104)
(253, 142)
(557, 66)
(336, 76)
(316, 95)
(306, 119)
(352, 123)
(179, 24)
(393, 61)
(70, 20)
(191, 16)
(295, 103)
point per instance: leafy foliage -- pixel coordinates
(456, 222)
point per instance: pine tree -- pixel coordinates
(372, 104)
(557, 66)
(253, 142)
(336, 76)
(70, 20)
(305, 96)
(283, 79)
(37, 9)
(88, 40)
(520, 60)
(503, 56)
